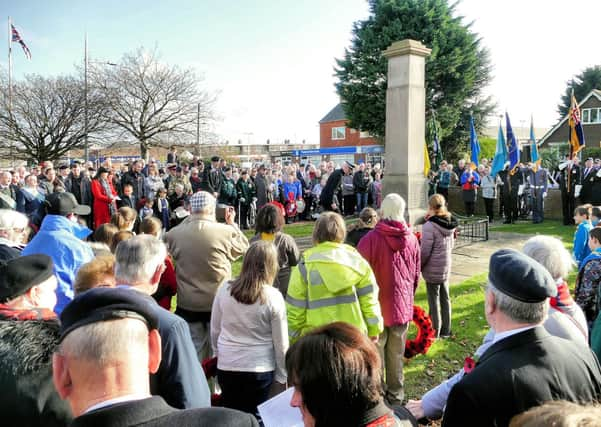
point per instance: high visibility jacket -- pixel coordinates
(333, 283)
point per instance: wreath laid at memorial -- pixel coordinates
(426, 335)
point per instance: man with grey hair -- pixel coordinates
(8, 191)
(13, 232)
(203, 251)
(109, 342)
(139, 264)
(524, 366)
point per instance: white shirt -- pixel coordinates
(502, 335)
(120, 399)
(250, 337)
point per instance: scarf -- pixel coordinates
(268, 236)
(563, 298)
(109, 193)
(9, 313)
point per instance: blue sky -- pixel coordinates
(272, 61)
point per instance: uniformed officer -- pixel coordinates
(569, 178)
(539, 181)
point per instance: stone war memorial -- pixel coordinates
(405, 125)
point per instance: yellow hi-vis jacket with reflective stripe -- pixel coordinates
(333, 282)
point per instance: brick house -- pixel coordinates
(590, 111)
(338, 142)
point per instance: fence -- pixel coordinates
(471, 229)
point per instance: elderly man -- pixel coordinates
(179, 379)
(13, 232)
(524, 366)
(61, 238)
(203, 250)
(29, 333)
(8, 191)
(107, 386)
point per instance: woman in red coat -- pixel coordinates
(104, 197)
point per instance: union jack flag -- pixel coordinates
(16, 37)
(575, 132)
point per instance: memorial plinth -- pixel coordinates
(405, 125)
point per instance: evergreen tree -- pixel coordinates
(582, 84)
(457, 70)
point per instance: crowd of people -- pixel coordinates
(92, 335)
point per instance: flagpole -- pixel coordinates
(85, 77)
(10, 82)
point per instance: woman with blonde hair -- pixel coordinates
(124, 219)
(251, 346)
(97, 273)
(438, 240)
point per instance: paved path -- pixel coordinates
(468, 260)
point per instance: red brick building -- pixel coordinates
(338, 142)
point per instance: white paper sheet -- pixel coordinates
(277, 412)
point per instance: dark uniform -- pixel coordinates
(539, 181)
(568, 200)
(511, 184)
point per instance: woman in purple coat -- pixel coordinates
(438, 239)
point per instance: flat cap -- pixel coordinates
(201, 200)
(520, 277)
(104, 304)
(19, 275)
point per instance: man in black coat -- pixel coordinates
(327, 199)
(569, 178)
(525, 366)
(107, 386)
(135, 178)
(212, 177)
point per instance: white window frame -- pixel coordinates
(335, 133)
(364, 134)
(587, 114)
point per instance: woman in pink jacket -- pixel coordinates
(438, 239)
(392, 250)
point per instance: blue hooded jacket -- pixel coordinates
(61, 239)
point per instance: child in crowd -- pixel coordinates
(168, 284)
(161, 208)
(582, 219)
(125, 219)
(377, 190)
(147, 210)
(589, 276)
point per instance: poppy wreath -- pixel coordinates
(209, 366)
(425, 334)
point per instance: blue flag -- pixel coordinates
(533, 147)
(501, 155)
(474, 145)
(514, 148)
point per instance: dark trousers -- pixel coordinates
(469, 208)
(244, 390)
(511, 207)
(349, 204)
(538, 207)
(243, 216)
(488, 205)
(568, 204)
(444, 192)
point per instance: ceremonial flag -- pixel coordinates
(533, 147)
(512, 145)
(16, 37)
(474, 145)
(498, 162)
(426, 160)
(575, 133)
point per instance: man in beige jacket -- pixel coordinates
(203, 251)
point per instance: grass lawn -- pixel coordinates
(549, 228)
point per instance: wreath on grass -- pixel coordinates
(426, 335)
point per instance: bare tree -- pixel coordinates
(46, 117)
(150, 99)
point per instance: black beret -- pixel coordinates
(215, 158)
(520, 277)
(19, 275)
(103, 304)
(63, 166)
